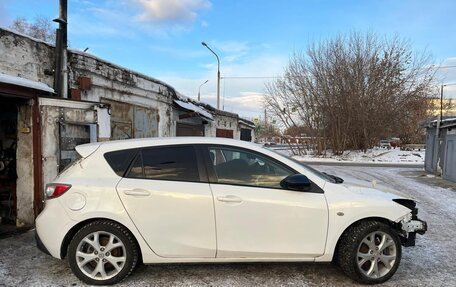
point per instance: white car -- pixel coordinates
(169, 200)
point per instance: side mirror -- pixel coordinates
(298, 182)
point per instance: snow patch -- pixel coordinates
(18, 81)
(375, 155)
(191, 107)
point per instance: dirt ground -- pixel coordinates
(430, 263)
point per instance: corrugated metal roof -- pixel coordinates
(194, 108)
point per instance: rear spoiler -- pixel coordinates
(85, 150)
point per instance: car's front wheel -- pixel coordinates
(369, 252)
(102, 253)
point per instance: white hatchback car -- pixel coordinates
(202, 199)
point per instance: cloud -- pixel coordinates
(157, 18)
(170, 11)
(248, 104)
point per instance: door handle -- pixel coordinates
(137, 192)
(229, 198)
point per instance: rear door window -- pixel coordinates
(178, 163)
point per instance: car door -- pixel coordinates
(255, 217)
(167, 196)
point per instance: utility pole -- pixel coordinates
(265, 119)
(218, 73)
(61, 46)
(436, 150)
(441, 101)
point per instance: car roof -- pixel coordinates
(161, 141)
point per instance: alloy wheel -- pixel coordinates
(376, 254)
(101, 255)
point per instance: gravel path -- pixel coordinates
(430, 263)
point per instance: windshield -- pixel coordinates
(320, 174)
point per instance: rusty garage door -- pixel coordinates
(146, 122)
(223, 133)
(185, 130)
(132, 121)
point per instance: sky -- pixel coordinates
(254, 38)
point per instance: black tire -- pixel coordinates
(129, 250)
(351, 241)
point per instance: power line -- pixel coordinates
(446, 67)
(256, 77)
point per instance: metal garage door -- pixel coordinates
(429, 153)
(449, 169)
(132, 121)
(185, 130)
(246, 135)
(223, 133)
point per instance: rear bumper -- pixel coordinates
(40, 244)
(52, 224)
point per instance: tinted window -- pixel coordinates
(120, 160)
(166, 163)
(136, 169)
(236, 166)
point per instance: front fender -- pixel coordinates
(343, 213)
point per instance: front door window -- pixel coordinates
(238, 166)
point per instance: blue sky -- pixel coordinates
(162, 38)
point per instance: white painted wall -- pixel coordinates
(112, 82)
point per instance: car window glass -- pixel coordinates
(120, 160)
(306, 167)
(235, 166)
(166, 163)
(136, 169)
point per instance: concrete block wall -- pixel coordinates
(26, 57)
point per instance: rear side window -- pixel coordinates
(166, 163)
(120, 160)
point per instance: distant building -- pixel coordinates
(440, 154)
(449, 107)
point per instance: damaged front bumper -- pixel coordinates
(410, 226)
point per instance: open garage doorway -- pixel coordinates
(8, 174)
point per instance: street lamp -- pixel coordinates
(218, 74)
(199, 90)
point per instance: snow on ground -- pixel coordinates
(429, 263)
(375, 155)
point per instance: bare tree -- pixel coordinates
(41, 28)
(352, 91)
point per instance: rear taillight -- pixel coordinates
(54, 190)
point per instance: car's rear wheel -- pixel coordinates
(102, 253)
(369, 252)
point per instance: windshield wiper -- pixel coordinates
(335, 178)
